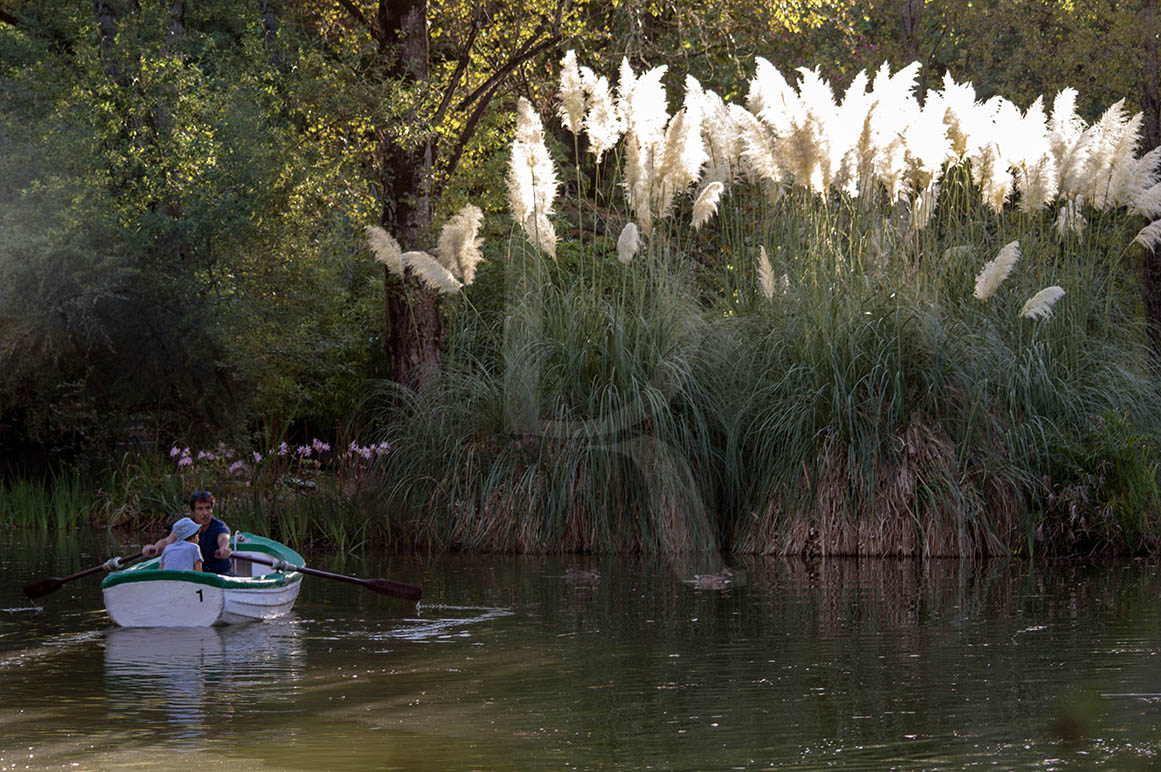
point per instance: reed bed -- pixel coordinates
(809, 324)
(59, 501)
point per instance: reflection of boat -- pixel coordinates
(194, 678)
(147, 596)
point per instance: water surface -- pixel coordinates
(520, 663)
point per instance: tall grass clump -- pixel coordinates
(575, 435)
(58, 501)
(815, 323)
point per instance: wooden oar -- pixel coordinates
(42, 587)
(381, 586)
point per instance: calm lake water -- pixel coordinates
(513, 663)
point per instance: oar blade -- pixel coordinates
(42, 587)
(395, 589)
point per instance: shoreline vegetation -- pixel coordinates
(809, 324)
(828, 326)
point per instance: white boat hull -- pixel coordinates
(146, 596)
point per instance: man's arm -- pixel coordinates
(223, 545)
(149, 550)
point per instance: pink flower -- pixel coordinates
(257, 457)
(282, 449)
(238, 466)
(319, 445)
(173, 451)
(304, 450)
(184, 461)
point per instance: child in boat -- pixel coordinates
(183, 553)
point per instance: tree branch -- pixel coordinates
(485, 98)
(359, 17)
(458, 74)
(522, 55)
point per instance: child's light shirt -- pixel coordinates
(181, 555)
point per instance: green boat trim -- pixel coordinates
(149, 571)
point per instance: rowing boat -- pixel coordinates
(144, 595)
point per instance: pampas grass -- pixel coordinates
(996, 270)
(1150, 236)
(1039, 306)
(603, 123)
(385, 248)
(571, 96)
(532, 180)
(875, 408)
(459, 245)
(628, 242)
(431, 273)
(765, 273)
(706, 205)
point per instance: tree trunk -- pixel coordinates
(1150, 74)
(910, 19)
(414, 333)
(1151, 105)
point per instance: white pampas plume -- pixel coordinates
(852, 135)
(386, 249)
(722, 139)
(685, 152)
(1039, 306)
(926, 146)
(628, 242)
(1148, 202)
(766, 273)
(1125, 180)
(1150, 236)
(459, 247)
(431, 273)
(1069, 142)
(996, 270)
(1030, 152)
(771, 98)
(645, 108)
(1113, 141)
(1144, 192)
(532, 181)
(882, 141)
(540, 232)
(961, 250)
(706, 205)
(571, 107)
(808, 147)
(758, 153)
(990, 162)
(1070, 220)
(521, 191)
(603, 123)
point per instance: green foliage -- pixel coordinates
(307, 494)
(1104, 481)
(176, 252)
(58, 502)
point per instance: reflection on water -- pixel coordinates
(609, 662)
(453, 622)
(179, 681)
